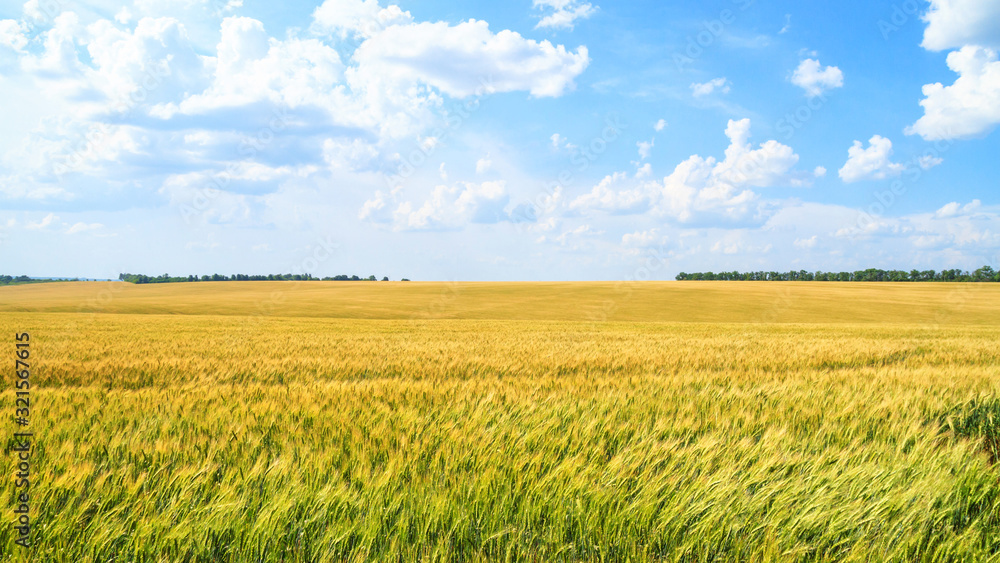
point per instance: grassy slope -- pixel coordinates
(920, 304)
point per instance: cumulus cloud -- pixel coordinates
(954, 229)
(484, 165)
(46, 221)
(957, 23)
(448, 207)
(643, 239)
(83, 228)
(812, 77)
(154, 63)
(969, 107)
(250, 67)
(645, 148)
(459, 59)
(955, 209)
(455, 206)
(926, 162)
(563, 13)
(346, 97)
(699, 90)
(702, 185)
(872, 163)
(735, 243)
(805, 243)
(59, 55)
(354, 154)
(660, 125)
(12, 34)
(560, 142)
(356, 17)
(616, 194)
(124, 16)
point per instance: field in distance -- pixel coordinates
(914, 304)
(380, 421)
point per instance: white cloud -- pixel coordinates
(704, 89)
(616, 194)
(560, 142)
(702, 185)
(154, 63)
(563, 13)
(660, 125)
(806, 242)
(957, 23)
(43, 224)
(83, 227)
(449, 207)
(787, 26)
(645, 148)
(356, 17)
(644, 171)
(819, 171)
(354, 154)
(59, 57)
(463, 59)
(124, 16)
(578, 232)
(967, 108)
(484, 165)
(927, 161)
(12, 34)
(870, 163)
(736, 243)
(250, 67)
(458, 205)
(955, 209)
(643, 239)
(245, 94)
(377, 209)
(814, 79)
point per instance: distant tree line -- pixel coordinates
(984, 274)
(16, 280)
(167, 278)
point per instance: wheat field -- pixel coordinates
(509, 422)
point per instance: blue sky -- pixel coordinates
(535, 140)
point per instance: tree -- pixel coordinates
(984, 274)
